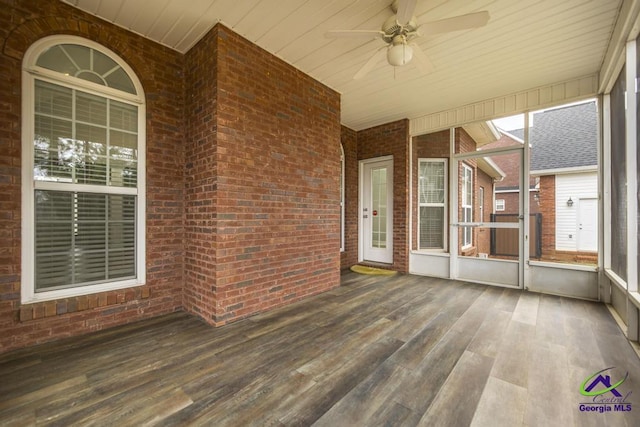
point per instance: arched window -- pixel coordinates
(83, 171)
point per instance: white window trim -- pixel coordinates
(29, 74)
(445, 205)
(504, 205)
(466, 168)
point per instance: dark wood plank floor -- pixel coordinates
(400, 350)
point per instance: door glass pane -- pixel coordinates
(379, 208)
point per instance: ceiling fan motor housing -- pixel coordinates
(392, 28)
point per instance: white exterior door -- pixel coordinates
(376, 216)
(588, 225)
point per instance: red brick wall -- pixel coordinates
(511, 202)
(385, 140)
(509, 163)
(547, 197)
(482, 236)
(255, 223)
(277, 196)
(160, 70)
(466, 144)
(349, 256)
(201, 180)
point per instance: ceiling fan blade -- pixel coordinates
(422, 61)
(353, 34)
(366, 68)
(405, 11)
(462, 22)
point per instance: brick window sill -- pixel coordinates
(468, 251)
(62, 306)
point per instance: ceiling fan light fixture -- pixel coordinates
(399, 54)
(400, 31)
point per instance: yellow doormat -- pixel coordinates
(363, 269)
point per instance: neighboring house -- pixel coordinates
(565, 158)
(563, 180)
(507, 197)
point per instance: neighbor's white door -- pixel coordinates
(377, 211)
(588, 225)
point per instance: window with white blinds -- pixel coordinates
(432, 196)
(84, 150)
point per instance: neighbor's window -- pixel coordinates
(500, 205)
(83, 198)
(467, 204)
(432, 189)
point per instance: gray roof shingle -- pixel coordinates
(564, 137)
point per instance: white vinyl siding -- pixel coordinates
(83, 148)
(432, 201)
(575, 186)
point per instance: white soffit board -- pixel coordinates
(526, 44)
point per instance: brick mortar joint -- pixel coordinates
(62, 306)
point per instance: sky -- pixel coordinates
(510, 123)
(517, 121)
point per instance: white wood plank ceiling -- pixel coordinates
(527, 43)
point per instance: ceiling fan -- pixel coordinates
(401, 29)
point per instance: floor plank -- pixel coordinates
(510, 364)
(502, 405)
(549, 390)
(526, 310)
(459, 396)
(397, 351)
